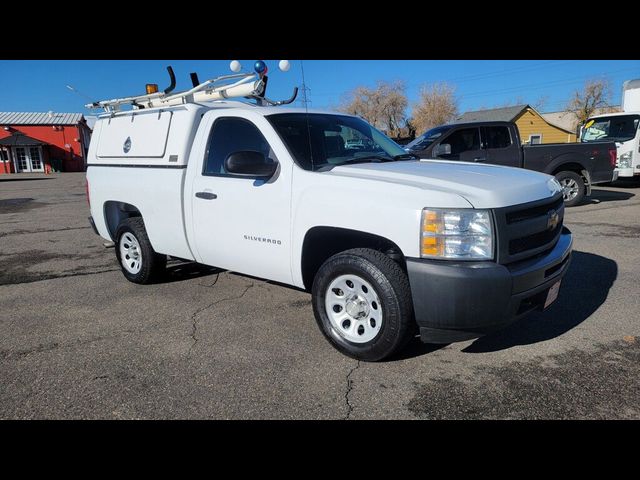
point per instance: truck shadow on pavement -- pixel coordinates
(624, 183)
(416, 348)
(601, 196)
(584, 289)
(179, 271)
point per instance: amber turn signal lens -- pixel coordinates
(432, 246)
(152, 88)
(430, 221)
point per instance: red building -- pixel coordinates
(43, 142)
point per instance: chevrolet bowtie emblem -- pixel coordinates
(552, 219)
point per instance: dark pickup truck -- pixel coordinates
(577, 166)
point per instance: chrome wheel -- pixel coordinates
(130, 253)
(353, 308)
(570, 188)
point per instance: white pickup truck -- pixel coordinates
(389, 246)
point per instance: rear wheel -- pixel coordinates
(572, 187)
(362, 303)
(139, 262)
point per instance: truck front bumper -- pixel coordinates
(626, 172)
(456, 301)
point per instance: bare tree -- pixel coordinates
(541, 102)
(437, 106)
(513, 102)
(383, 106)
(595, 95)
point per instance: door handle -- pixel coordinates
(206, 195)
(479, 159)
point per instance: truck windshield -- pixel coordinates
(317, 141)
(426, 139)
(618, 128)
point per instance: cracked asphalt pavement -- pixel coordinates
(79, 341)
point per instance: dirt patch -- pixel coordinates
(27, 232)
(300, 304)
(611, 230)
(18, 205)
(602, 384)
(15, 267)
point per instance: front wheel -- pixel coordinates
(139, 262)
(362, 304)
(572, 187)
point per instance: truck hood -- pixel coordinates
(483, 186)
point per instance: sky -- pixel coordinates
(40, 85)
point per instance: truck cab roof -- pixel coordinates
(164, 135)
(614, 114)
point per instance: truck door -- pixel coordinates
(465, 146)
(240, 223)
(500, 147)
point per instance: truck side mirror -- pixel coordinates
(249, 163)
(442, 149)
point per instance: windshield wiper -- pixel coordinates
(367, 159)
(406, 156)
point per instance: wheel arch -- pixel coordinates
(569, 165)
(322, 242)
(115, 212)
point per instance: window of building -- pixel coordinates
(36, 161)
(230, 135)
(4, 155)
(23, 161)
(535, 139)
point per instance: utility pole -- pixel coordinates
(304, 100)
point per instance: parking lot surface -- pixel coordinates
(79, 341)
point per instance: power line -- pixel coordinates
(501, 72)
(538, 85)
(480, 76)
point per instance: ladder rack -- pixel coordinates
(246, 85)
(239, 85)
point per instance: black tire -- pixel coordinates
(392, 287)
(152, 264)
(577, 178)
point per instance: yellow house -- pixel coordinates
(533, 127)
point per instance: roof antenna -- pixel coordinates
(306, 110)
(75, 90)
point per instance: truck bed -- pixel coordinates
(594, 157)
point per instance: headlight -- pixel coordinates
(456, 234)
(625, 160)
